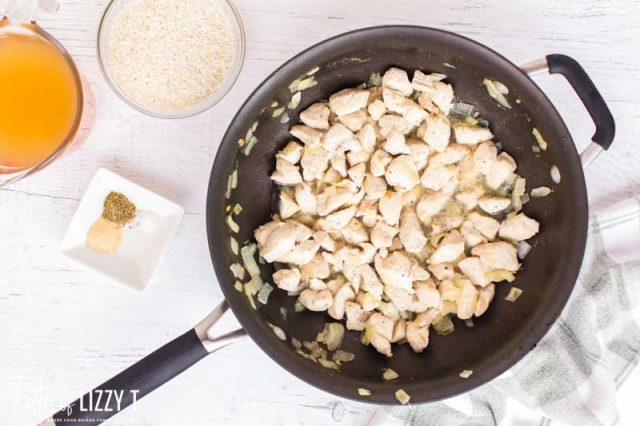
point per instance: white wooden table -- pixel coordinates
(65, 329)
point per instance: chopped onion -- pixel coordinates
(469, 322)
(331, 335)
(525, 198)
(364, 392)
(483, 122)
(541, 191)
(285, 118)
(298, 307)
(535, 149)
(263, 294)
(233, 243)
(343, 356)
(328, 364)
(249, 134)
(247, 292)
(523, 248)
(277, 112)
(241, 142)
(514, 294)
(470, 120)
(237, 209)
(462, 108)
(235, 228)
(498, 275)
(250, 144)
(237, 270)
(238, 286)
(227, 193)
(495, 93)
(296, 343)
(254, 285)
(519, 186)
(444, 326)
(402, 396)
(541, 142)
(313, 70)
(283, 312)
(501, 87)
(278, 332)
(516, 202)
(274, 104)
(375, 79)
(555, 174)
(389, 374)
(254, 126)
(234, 178)
(448, 65)
(466, 374)
(247, 252)
(295, 100)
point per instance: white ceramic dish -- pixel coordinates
(144, 239)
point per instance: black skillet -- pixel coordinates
(502, 336)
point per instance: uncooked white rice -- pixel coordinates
(171, 54)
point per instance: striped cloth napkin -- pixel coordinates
(572, 375)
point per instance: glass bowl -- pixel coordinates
(104, 34)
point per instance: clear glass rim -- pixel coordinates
(199, 108)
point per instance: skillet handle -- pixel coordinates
(146, 375)
(588, 94)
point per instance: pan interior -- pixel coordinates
(508, 330)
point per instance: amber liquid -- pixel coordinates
(39, 99)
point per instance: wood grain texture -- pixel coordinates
(64, 329)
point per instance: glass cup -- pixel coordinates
(46, 113)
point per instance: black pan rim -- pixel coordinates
(347, 388)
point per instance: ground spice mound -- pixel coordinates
(118, 208)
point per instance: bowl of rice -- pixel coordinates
(171, 58)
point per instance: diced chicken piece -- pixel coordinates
(430, 204)
(389, 123)
(380, 324)
(339, 163)
(367, 137)
(467, 300)
(436, 177)
(449, 249)
(335, 284)
(381, 344)
(498, 255)
(318, 267)
(418, 273)
(395, 270)
(302, 231)
(397, 79)
(400, 297)
(390, 206)
(442, 96)
(332, 199)
(494, 205)
(340, 219)
(485, 296)
(316, 301)
(471, 135)
(308, 135)
(519, 227)
(351, 145)
(425, 319)
(324, 239)
(305, 198)
(356, 316)
(467, 174)
(286, 173)
(368, 212)
(422, 81)
(437, 132)
(419, 152)
(382, 235)
(287, 279)
(287, 207)
(427, 294)
(348, 100)
(301, 254)
(413, 113)
(449, 291)
(344, 294)
(442, 271)
(500, 170)
(393, 100)
(424, 100)
(292, 152)
(377, 109)
(450, 218)
(472, 237)
(469, 196)
(395, 144)
(355, 120)
(485, 225)
(375, 187)
(379, 162)
(315, 160)
(475, 270)
(355, 232)
(454, 153)
(275, 241)
(411, 197)
(418, 337)
(336, 135)
(411, 233)
(399, 331)
(396, 245)
(389, 310)
(484, 157)
(357, 172)
(358, 157)
(331, 176)
(316, 116)
(402, 174)
(365, 278)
